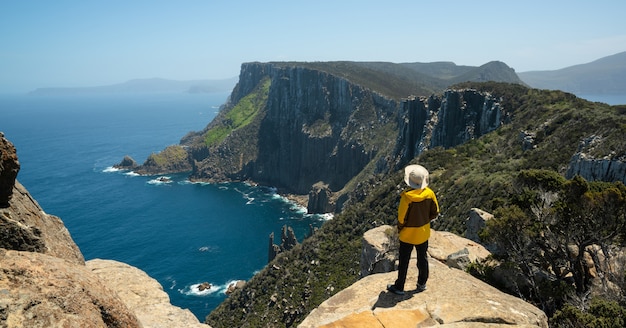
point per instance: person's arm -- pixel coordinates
(402, 209)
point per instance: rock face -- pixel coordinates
(320, 199)
(445, 121)
(476, 221)
(37, 290)
(143, 295)
(311, 130)
(379, 252)
(128, 163)
(610, 168)
(9, 167)
(288, 241)
(24, 226)
(453, 298)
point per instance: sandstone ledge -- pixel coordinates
(143, 295)
(453, 299)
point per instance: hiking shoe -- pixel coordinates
(394, 290)
(420, 288)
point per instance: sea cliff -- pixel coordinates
(304, 127)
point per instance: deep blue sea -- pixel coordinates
(180, 233)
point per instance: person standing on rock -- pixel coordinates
(418, 206)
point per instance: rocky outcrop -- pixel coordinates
(9, 167)
(379, 252)
(37, 290)
(24, 226)
(453, 298)
(445, 121)
(128, 163)
(476, 221)
(143, 295)
(320, 199)
(288, 241)
(172, 159)
(609, 168)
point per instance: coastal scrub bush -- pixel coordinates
(601, 314)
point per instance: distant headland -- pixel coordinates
(151, 85)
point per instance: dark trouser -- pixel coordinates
(422, 263)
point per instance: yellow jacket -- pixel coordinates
(417, 208)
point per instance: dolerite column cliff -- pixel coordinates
(445, 121)
(310, 132)
(315, 127)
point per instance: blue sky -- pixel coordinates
(67, 43)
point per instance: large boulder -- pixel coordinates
(442, 244)
(453, 299)
(143, 295)
(37, 290)
(379, 252)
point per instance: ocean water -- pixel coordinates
(180, 233)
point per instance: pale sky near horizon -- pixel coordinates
(68, 43)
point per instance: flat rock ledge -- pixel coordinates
(143, 295)
(453, 299)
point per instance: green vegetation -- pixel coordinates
(169, 155)
(601, 314)
(239, 116)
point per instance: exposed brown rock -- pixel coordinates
(128, 163)
(453, 299)
(379, 252)
(239, 284)
(320, 199)
(9, 167)
(143, 295)
(37, 290)
(24, 226)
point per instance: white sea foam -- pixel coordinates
(110, 169)
(209, 249)
(194, 289)
(132, 174)
(326, 216)
(161, 180)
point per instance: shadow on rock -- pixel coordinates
(388, 299)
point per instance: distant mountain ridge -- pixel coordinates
(606, 75)
(151, 85)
